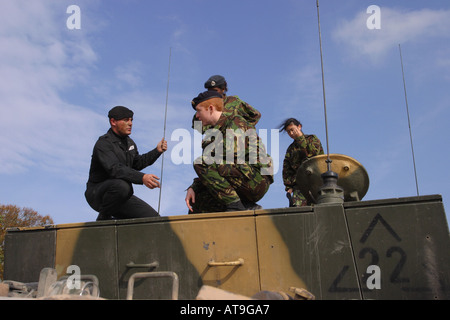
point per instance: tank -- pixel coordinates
(346, 248)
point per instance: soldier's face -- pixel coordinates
(294, 131)
(219, 90)
(204, 114)
(122, 127)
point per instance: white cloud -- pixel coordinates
(397, 27)
(130, 73)
(37, 62)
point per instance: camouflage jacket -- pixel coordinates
(250, 114)
(233, 141)
(233, 105)
(302, 148)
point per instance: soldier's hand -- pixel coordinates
(162, 146)
(150, 181)
(190, 197)
(297, 132)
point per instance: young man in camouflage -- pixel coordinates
(231, 104)
(303, 147)
(234, 172)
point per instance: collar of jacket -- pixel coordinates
(118, 139)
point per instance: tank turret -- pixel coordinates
(318, 184)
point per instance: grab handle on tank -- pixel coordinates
(154, 264)
(238, 262)
(160, 274)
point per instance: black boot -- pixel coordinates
(253, 206)
(235, 206)
(103, 217)
(249, 205)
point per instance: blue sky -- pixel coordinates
(58, 84)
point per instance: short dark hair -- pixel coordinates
(288, 122)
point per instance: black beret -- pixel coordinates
(215, 81)
(205, 96)
(120, 112)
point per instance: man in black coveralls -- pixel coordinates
(115, 166)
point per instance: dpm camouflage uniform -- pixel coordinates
(246, 176)
(232, 105)
(302, 148)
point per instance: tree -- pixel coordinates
(13, 216)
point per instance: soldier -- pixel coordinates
(231, 103)
(303, 147)
(225, 184)
(115, 166)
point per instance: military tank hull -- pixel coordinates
(380, 249)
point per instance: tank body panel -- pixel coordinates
(383, 249)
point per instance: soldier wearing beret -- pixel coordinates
(115, 167)
(231, 104)
(303, 147)
(227, 184)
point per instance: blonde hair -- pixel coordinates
(215, 102)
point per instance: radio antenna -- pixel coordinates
(164, 135)
(409, 122)
(330, 192)
(323, 90)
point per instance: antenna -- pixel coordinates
(164, 135)
(409, 122)
(323, 90)
(330, 192)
